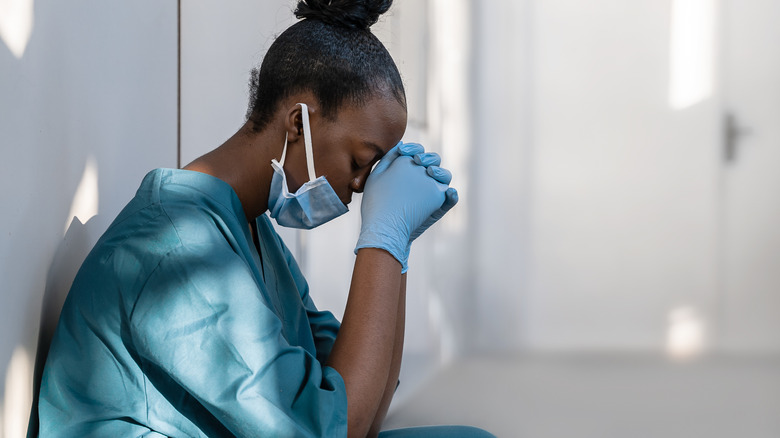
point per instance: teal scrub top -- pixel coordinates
(176, 326)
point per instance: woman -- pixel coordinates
(191, 318)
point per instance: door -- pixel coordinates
(750, 250)
(625, 163)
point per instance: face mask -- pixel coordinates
(314, 203)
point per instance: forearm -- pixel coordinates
(369, 346)
(364, 349)
(395, 368)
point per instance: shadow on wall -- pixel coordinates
(82, 89)
(46, 148)
(45, 128)
(68, 258)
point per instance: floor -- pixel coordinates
(604, 396)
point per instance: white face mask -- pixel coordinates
(314, 203)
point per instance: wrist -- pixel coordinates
(395, 250)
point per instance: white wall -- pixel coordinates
(88, 106)
(750, 183)
(221, 43)
(502, 173)
(624, 201)
(606, 218)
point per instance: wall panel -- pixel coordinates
(87, 108)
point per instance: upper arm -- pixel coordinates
(324, 325)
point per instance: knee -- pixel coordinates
(470, 432)
(437, 432)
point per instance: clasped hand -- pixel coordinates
(406, 193)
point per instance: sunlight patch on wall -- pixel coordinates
(85, 201)
(692, 52)
(451, 81)
(686, 333)
(441, 328)
(18, 394)
(16, 24)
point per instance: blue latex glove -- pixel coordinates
(402, 198)
(431, 162)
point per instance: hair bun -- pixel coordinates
(352, 14)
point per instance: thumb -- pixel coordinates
(450, 199)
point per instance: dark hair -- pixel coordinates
(332, 53)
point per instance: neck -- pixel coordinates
(244, 162)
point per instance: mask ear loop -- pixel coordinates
(307, 142)
(284, 151)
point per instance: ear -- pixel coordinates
(293, 124)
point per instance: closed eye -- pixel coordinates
(360, 163)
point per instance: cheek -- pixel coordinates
(339, 176)
(336, 165)
(344, 183)
(295, 170)
(340, 171)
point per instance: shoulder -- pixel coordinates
(200, 209)
(174, 219)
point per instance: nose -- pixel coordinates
(358, 183)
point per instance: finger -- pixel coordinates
(441, 175)
(450, 199)
(411, 149)
(389, 157)
(427, 159)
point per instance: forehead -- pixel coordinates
(380, 120)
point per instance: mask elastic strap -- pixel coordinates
(307, 142)
(284, 151)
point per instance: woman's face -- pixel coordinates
(345, 149)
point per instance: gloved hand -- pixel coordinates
(402, 198)
(431, 162)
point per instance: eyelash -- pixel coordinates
(357, 166)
